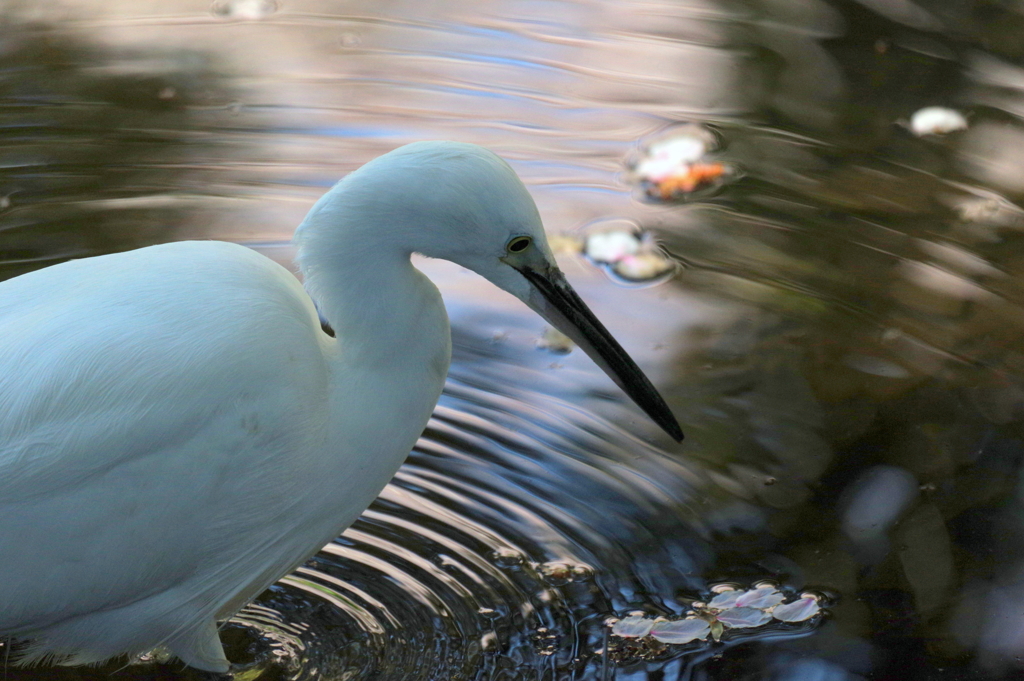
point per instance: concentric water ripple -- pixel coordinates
(480, 555)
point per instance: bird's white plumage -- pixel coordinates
(129, 420)
(177, 431)
(157, 462)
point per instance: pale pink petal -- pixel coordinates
(681, 631)
(741, 618)
(726, 599)
(797, 611)
(765, 597)
(633, 626)
(611, 246)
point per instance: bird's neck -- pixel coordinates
(387, 363)
(388, 317)
(385, 312)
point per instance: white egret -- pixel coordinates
(178, 430)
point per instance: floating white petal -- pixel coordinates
(632, 627)
(742, 618)
(668, 157)
(611, 247)
(726, 599)
(765, 597)
(681, 631)
(936, 120)
(643, 266)
(797, 611)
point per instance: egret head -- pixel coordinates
(462, 203)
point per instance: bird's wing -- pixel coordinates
(148, 403)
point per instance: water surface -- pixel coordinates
(840, 340)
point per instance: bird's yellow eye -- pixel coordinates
(518, 244)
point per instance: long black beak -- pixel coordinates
(559, 304)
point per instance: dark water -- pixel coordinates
(841, 339)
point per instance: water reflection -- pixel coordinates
(100, 145)
(842, 345)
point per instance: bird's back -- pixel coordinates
(144, 395)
